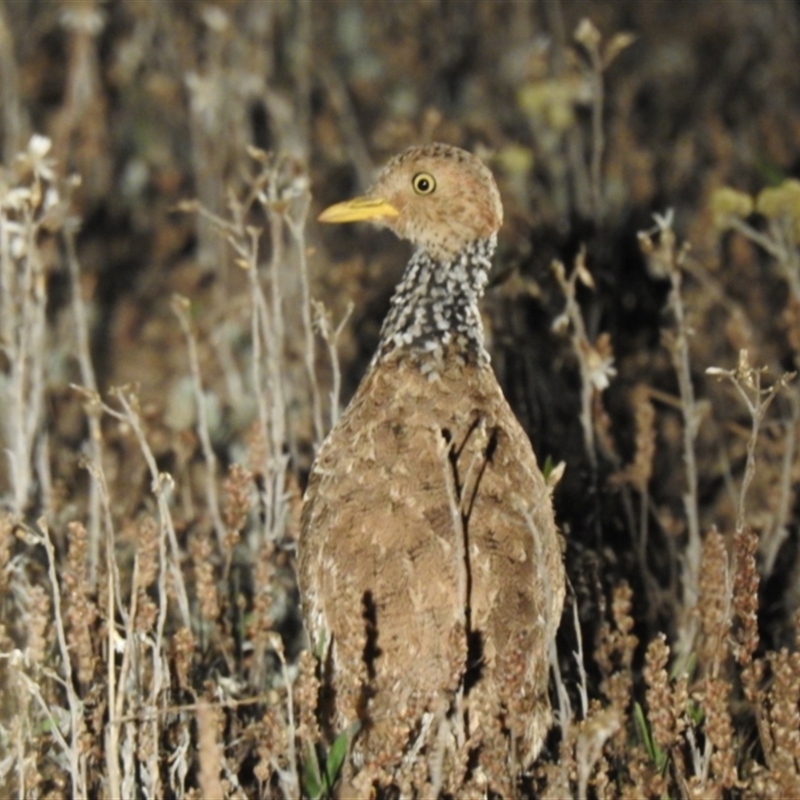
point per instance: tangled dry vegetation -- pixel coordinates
(177, 338)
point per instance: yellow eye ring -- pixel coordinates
(423, 183)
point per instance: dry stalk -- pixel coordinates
(259, 628)
(180, 307)
(595, 731)
(207, 94)
(641, 469)
(614, 656)
(24, 306)
(588, 36)
(583, 685)
(331, 336)
(161, 485)
(118, 685)
(30, 205)
(296, 225)
(290, 780)
(266, 319)
(772, 539)
(660, 246)
(115, 691)
(88, 380)
(73, 750)
(779, 241)
(258, 334)
(36, 693)
(595, 366)
(267, 381)
(272, 325)
(209, 753)
(13, 117)
(747, 382)
(157, 648)
(112, 750)
(564, 714)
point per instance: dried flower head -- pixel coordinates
(727, 203)
(35, 160)
(80, 607)
(600, 362)
(745, 595)
(713, 607)
(202, 551)
(38, 624)
(237, 504)
(782, 203)
(719, 731)
(183, 648)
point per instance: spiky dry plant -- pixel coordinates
(113, 677)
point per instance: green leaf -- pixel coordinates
(312, 781)
(45, 726)
(696, 713)
(317, 783)
(656, 754)
(644, 731)
(337, 755)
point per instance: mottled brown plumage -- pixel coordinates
(429, 561)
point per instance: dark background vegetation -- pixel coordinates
(154, 104)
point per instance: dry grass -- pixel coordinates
(176, 338)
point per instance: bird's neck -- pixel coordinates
(434, 312)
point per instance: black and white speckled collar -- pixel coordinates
(434, 310)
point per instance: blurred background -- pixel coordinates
(206, 137)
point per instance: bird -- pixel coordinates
(429, 561)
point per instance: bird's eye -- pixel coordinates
(423, 183)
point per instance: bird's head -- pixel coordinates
(437, 196)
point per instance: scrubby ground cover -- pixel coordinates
(177, 335)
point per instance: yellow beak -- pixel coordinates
(358, 209)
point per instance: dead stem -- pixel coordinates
(161, 484)
(291, 778)
(296, 225)
(747, 382)
(659, 245)
(180, 306)
(588, 35)
(93, 411)
(331, 338)
(77, 760)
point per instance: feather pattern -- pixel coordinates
(429, 560)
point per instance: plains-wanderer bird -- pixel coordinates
(429, 561)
